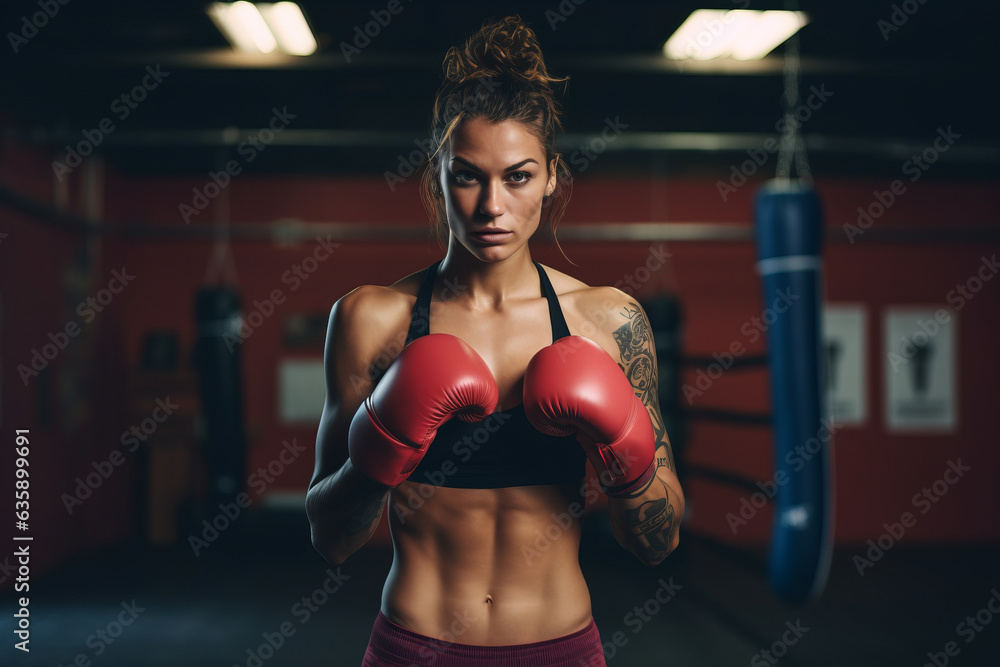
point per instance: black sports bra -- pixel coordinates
(504, 449)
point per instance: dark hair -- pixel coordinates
(499, 74)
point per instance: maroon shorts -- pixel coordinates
(392, 645)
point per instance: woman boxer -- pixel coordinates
(478, 433)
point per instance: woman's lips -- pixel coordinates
(491, 236)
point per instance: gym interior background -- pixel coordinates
(144, 162)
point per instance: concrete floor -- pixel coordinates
(213, 609)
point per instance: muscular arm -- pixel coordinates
(343, 509)
(647, 525)
(344, 506)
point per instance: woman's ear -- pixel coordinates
(550, 185)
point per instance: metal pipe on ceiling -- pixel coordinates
(634, 140)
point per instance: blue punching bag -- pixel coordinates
(789, 230)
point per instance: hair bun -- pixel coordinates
(505, 48)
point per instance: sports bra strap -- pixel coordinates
(556, 319)
(421, 316)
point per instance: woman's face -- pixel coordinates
(494, 178)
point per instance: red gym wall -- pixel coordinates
(877, 473)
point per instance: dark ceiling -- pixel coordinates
(890, 91)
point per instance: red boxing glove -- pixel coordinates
(433, 379)
(574, 385)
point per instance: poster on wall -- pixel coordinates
(920, 369)
(301, 390)
(845, 345)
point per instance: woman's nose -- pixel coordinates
(490, 205)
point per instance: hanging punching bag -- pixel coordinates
(221, 379)
(789, 231)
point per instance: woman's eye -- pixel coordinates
(465, 177)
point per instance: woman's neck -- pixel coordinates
(486, 284)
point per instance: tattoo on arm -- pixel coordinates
(366, 511)
(635, 343)
(653, 524)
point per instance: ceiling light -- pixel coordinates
(742, 34)
(264, 27)
(289, 27)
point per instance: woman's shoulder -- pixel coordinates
(605, 314)
(588, 298)
(402, 291)
(378, 307)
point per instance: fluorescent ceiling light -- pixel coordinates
(264, 27)
(289, 27)
(742, 34)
